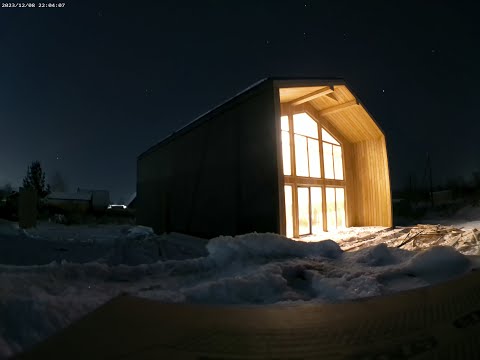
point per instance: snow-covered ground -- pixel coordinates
(54, 274)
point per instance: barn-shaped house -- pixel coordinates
(290, 156)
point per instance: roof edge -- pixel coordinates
(205, 116)
(277, 81)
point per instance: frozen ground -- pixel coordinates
(54, 274)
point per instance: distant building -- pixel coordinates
(100, 198)
(70, 202)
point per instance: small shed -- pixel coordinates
(70, 202)
(100, 198)
(290, 156)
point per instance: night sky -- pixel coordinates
(88, 87)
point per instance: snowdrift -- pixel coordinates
(36, 301)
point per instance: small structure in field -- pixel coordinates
(100, 198)
(290, 156)
(69, 202)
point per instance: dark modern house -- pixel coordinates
(290, 156)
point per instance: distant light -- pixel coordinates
(112, 206)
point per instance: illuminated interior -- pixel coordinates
(303, 211)
(287, 165)
(334, 160)
(332, 157)
(289, 210)
(304, 162)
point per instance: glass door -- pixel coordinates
(310, 215)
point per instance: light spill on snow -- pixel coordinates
(38, 300)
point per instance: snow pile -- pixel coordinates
(138, 246)
(139, 232)
(9, 228)
(437, 264)
(250, 247)
(142, 246)
(38, 300)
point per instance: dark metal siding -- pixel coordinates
(219, 178)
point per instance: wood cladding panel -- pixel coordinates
(290, 94)
(354, 123)
(367, 183)
(342, 94)
(372, 196)
(219, 178)
(350, 180)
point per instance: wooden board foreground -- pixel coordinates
(438, 322)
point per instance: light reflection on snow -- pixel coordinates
(247, 269)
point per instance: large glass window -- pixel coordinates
(304, 125)
(308, 201)
(332, 157)
(287, 164)
(307, 152)
(289, 210)
(303, 211)
(301, 156)
(331, 211)
(316, 210)
(335, 199)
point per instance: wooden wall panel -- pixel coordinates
(373, 205)
(219, 178)
(289, 94)
(350, 181)
(342, 94)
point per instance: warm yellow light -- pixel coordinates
(301, 155)
(335, 198)
(284, 122)
(340, 202)
(287, 164)
(305, 125)
(337, 162)
(329, 138)
(317, 217)
(331, 213)
(289, 210)
(303, 211)
(313, 158)
(328, 160)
